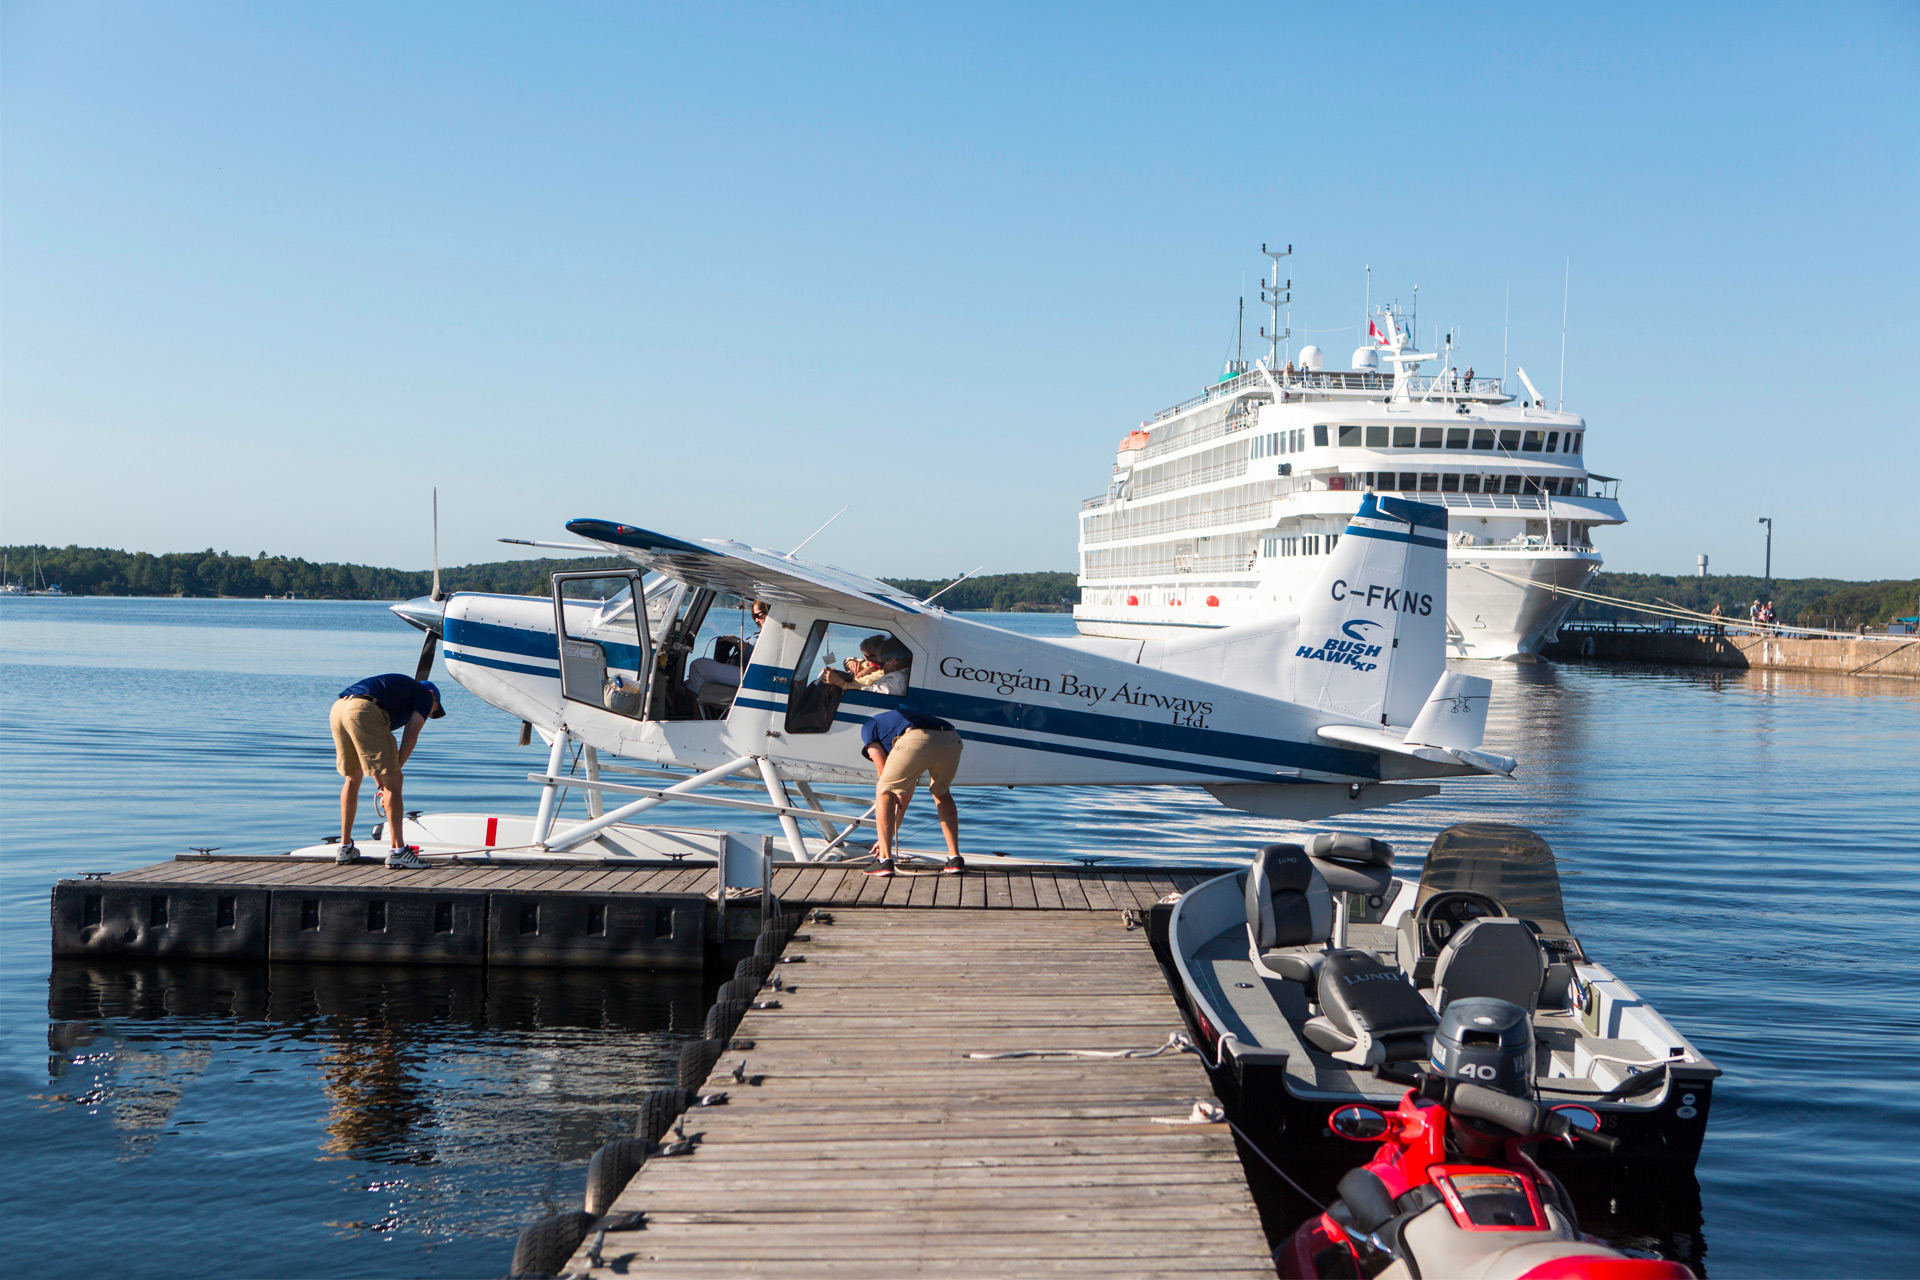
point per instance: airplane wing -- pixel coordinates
(751, 572)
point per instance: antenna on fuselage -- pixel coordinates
(817, 532)
(951, 585)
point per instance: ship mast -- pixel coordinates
(1276, 295)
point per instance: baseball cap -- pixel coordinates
(439, 707)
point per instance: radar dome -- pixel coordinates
(1366, 358)
(1313, 358)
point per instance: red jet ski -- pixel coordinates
(1452, 1192)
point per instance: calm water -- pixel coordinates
(1741, 848)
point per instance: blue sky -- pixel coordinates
(270, 272)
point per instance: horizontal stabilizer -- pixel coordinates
(1309, 801)
(1391, 740)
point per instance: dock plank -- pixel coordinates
(867, 1144)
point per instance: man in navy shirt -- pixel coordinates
(365, 717)
(903, 744)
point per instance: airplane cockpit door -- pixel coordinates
(606, 653)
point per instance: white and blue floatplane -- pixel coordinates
(1344, 707)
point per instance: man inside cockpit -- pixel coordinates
(705, 671)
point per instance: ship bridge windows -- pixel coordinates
(1320, 435)
(1532, 441)
(1457, 437)
(1509, 441)
(1275, 444)
(1280, 547)
(1377, 437)
(1553, 441)
(1349, 435)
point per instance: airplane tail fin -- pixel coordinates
(1370, 641)
(1373, 631)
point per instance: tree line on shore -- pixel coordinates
(1830, 603)
(90, 571)
(98, 571)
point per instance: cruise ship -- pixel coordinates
(1220, 507)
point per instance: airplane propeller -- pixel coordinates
(425, 668)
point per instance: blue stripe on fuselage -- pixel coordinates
(1003, 713)
(552, 673)
(527, 642)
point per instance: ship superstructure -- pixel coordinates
(1219, 508)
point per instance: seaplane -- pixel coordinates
(1344, 706)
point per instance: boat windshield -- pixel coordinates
(1509, 864)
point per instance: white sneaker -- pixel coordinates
(347, 853)
(407, 858)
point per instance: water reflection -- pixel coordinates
(415, 1066)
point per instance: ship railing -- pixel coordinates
(1441, 384)
(1340, 380)
(1230, 386)
(1229, 470)
(1523, 542)
(1170, 564)
(1243, 513)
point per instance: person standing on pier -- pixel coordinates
(903, 744)
(365, 717)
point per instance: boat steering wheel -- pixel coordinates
(1446, 914)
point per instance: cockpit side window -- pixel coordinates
(845, 663)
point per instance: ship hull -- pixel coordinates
(1500, 605)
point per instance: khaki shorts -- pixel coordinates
(934, 752)
(362, 742)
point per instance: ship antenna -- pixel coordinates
(1506, 317)
(1368, 315)
(1276, 295)
(1566, 287)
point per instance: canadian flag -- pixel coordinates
(1373, 331)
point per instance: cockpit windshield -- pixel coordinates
(1512, 865)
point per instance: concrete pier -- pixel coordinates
(1711, 647)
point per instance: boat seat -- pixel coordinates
(1370, 1013)
(1351, 863)
(1494, 956)
(1289, 914)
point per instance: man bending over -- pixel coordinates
(365, 717)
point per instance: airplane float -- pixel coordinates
(1345, 706)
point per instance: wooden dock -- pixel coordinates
(864, 1142)
(861, 1139)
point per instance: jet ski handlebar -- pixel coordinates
(1521, 1116)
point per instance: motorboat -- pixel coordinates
(1302, 974)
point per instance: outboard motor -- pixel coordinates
(1488, 1042)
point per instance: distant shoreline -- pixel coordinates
(1836, 603)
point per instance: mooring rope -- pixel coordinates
(1177, 1042)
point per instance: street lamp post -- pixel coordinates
(1767, 591)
